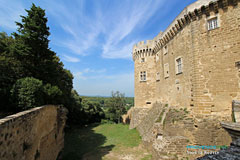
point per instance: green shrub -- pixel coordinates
(27, 93)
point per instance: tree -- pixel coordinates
(30, 92)
(92, 112)
(116, 107)
(32, 48)
(27, 93)
(32, 42)
(10, 69)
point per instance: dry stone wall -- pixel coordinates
(35, 134)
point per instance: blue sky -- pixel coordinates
(94, 38)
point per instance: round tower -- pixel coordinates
(144, 73)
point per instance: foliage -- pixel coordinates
(116, 107)
(30, 92)
(27, 54)
(93, 111)
(103, 100)
(10, 70)
(27, 93)
(32, 75)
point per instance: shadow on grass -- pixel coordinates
(82, 143)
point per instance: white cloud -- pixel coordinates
(89, 73)
(70, 59)
(101, 26)
(131, 17)
(10, 12)
(119, 52)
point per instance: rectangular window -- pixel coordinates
(178, 65)
(166, 70)
(143, 76)
(142, 60)
(212, 24)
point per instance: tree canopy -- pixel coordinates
(31, 75)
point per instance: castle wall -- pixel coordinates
(210, 79)
(176, 88)
(216, 77)
(199, 97)
(36, 134)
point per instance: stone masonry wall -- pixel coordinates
(216, 76)
(35, 134)
(168, 130)
(144, 90)
(203, 92)
(210, 77)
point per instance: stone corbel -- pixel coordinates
(187, 19)
(162, 42)
(215, 7)
(172, 33)
(169, 35)
(177, 27)
(225, 4)
(199, 11)
(180, 24)
(183, 21)
(235, 2)
(207, 11)
(194, 16)
(174, 30)
(189, 15)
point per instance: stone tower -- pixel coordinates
(144, 64)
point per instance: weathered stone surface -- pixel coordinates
(207, 85)
(210, 78)
(35, 134)
(137, 115)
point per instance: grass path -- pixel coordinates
(104, 141)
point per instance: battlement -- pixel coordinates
(189, 14)
(143, 48)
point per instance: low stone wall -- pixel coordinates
(35, 134)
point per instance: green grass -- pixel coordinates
(98, 140)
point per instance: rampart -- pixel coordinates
(35, 134)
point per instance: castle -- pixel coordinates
(193, 64)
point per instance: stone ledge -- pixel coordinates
(232, 128)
